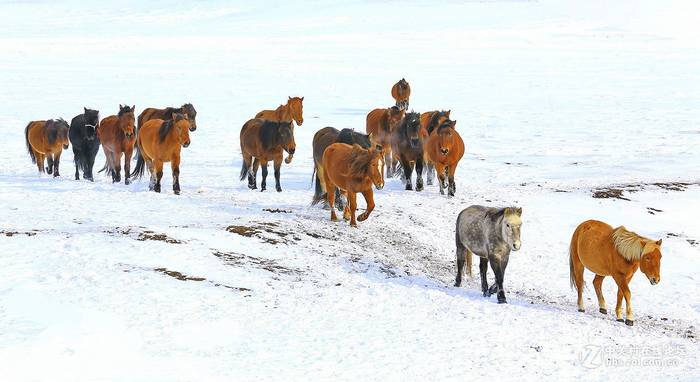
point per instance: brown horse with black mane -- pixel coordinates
(443, 150)
(46, 139)
(352, 169)
(401, 91)
(407, 149)
(324, 138)
(612, 252)
(153, 113)
(381, 124)
(265, 141)
(160, 141)
(117, 135)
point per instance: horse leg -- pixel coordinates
(89, 163)
(330, 190)
(369, 199)
(629, 320)
(419, 173)
(56, 163)
(598, 285)
(175, 166)
(389, 162)
(49, 163)
(263, 183)
(127, 165)
(498, 265)
(117, 170)
(461, 253)
(346, 208)
(483, 267)
(158, 166)
(352, 201)
(430, 173)
(407, 172)
(152, 172)
(451, 177)
(278, 166)
(77, 160)
(441, 178)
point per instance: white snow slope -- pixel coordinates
(107, 282)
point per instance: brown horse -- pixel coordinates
(443, 150)
(265, 141)
(352, 169)
(47, 139)
(407, 149)
(401, 91)
(612, 252)
(324, 138)
(381, 123)
(430, 120)
(116, 133)
(160, 141)
(153, 113)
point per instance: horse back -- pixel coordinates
(322, 139)
(377, 121)
(35, 134)
(593, 244)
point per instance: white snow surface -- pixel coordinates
(554, 100)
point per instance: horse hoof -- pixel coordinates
(442, 192)
(176, 192)
(127, 181)
(262, 189)
(457, 284)
(409, 187)
(502, 301)
(581, 310)
(629, 322)
(604, 311)
(620, 320)
(279, 189)
(354, 225)
(419, 187)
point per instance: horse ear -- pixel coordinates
(302, 98)
(519, 211)
(84, 109)
(133, 108)
(659, 242)
(448, 113)
(290, 98)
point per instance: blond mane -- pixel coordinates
(630, 245)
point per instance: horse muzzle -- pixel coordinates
(516, 246)
(193, 127)
(186, 144)
(445, 151)
(65, 147)
(414, 142)
(379, 186)
(654, 280)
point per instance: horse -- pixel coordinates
(324, 138)
(352, 169)
(164, 114)
(265, 141)
(292, 111)
(160, 141)
(83, 138)
(116, 133)
(47, 139)
(444, 148)
(490, 233)
(407, 149)
(381, 123)
(401, 91)
(612, 252)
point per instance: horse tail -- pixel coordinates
(244, 170)
(29, 145)
(572, 250)
(319, 195)
(140, 162)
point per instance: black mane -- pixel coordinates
(269, 131)
(351, 137)
(123, 110)
(167, 125)
(434, 120)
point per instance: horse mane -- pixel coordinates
(630, 245)
(188, 109)
(359, 160)
(434, 118)
(124, 110)
(51, 129)
(410, 116)
(167, 125)
(268, 133)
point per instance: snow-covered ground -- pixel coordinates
(555, 100)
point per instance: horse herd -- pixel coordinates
(346, 163)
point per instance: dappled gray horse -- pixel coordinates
(490, 233)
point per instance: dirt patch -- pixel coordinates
(653, 211)
(13, 233)
(618, 191)
(178, 275)
(609, 193)
(183, 277)
(241, 260)
(264, 231)
(277, 211)
(141, 234)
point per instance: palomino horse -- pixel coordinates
(490, 233)
(381, 123)
(352, 169)
(443, 150)
(407, 148)
(159, 141)
(46, 139)
(612, 252)
(324, 138)
(401, 91)
(164, 114)
(116, 133)
(265, 141)
(83, 138)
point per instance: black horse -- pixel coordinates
(324, 138)
(84, 141)
(407, 146)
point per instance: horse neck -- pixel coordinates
(283, 113)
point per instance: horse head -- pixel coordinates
(376, 166)
(285, 136)
(191, 113)
(395, 117)
(62, 129)
(510, 227)
(127, 120)
(650, 261)
(446, 137)
(183, 127)
(296, 109)
(411, 124)
(92, 121)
